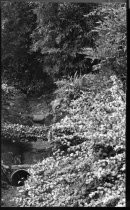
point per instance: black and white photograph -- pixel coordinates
(63, 103)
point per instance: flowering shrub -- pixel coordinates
(88, 166)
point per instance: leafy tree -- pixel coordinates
(111, 43)
(61, 33)
(20, 66)
(44, 38)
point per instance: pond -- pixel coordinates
(24, 153)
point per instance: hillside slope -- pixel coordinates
(88, 164)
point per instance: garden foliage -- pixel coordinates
(111, 44)
(87, 167)
(62, 30)
(41, 42)
(20, 66)
(22, 133)
(88, 163)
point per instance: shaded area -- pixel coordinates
(19, 177)
(25, 153)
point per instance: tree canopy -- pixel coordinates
(43, 42)
(40, 39)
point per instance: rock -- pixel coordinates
(38, 118)
(42, 119)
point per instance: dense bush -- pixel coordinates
(112, 38)
(71, 88)
(67, 90)
(18, 132)
(62, 30)
(20, 66)
(13, 104)
(89, 154)
(91, 113)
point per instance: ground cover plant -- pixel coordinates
(88, 166)
(17, 132)
(76, 54)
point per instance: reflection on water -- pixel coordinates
(21, 153)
